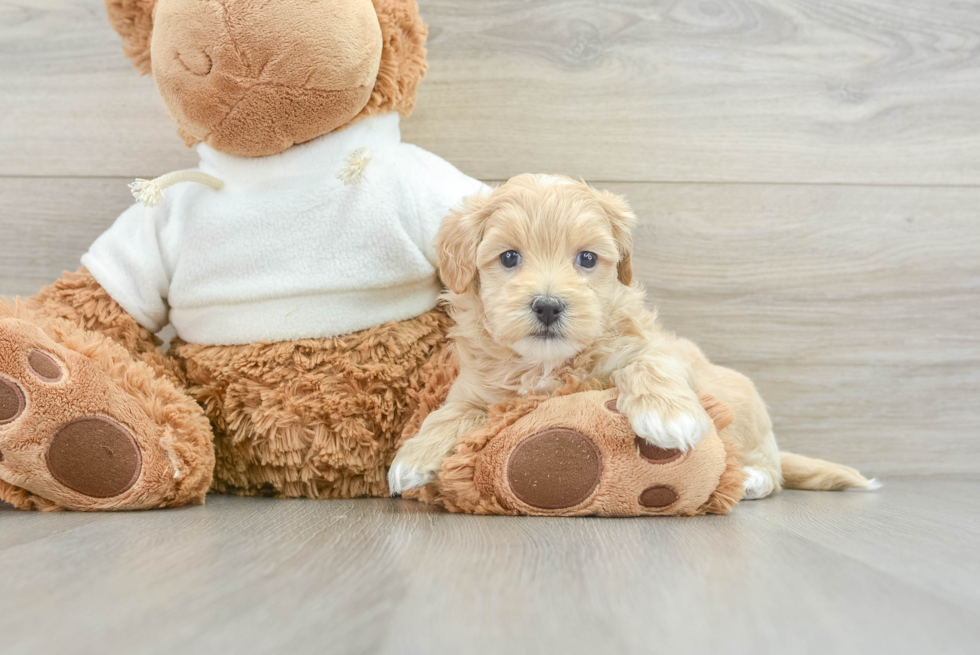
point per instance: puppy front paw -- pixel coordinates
(681, 429)
(683, 433)
(758, 483)
(412, 468)
(402, 477)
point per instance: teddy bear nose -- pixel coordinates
(548, 309)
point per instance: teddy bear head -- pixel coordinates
(253, 77)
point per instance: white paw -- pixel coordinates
(402, 477)
(683, 433)
(758, 485)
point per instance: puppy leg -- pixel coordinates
(419, 459)
(657, 395)
(758, 484)
(751, 428)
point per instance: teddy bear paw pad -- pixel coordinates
(94, 456)
(555, 469)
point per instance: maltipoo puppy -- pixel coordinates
(541, 288)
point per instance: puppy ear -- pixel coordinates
(456, 242)
(133, 20)
(622, 220)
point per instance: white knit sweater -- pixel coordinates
(286, 250)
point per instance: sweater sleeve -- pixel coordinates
(437, 187)
(129, 261)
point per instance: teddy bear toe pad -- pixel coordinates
(11, 401)
(659, 495)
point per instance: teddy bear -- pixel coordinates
(294, 263)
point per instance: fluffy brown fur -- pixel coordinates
(133, 21)
(316, 418)
(82, 301)
(403, 63)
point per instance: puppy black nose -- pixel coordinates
(547, 308)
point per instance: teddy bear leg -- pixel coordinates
(85, 424)
(577, 455)
(317, 418)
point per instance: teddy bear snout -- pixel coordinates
(252, 79)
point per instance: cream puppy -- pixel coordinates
(541, 288)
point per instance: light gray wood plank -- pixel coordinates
(270, 576)
(42, 526)
(854, 309)
(934, 517)
(871, 91)
(49, 223)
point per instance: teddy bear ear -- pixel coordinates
(133, 20)
(403, 63)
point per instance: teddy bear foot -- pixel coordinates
(577, 455)
(83, 426)
(598, 465)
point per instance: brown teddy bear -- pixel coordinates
(295, 264)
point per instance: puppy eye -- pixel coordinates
(510, 259)
(587, 259)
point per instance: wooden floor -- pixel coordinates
(807, 179)
(896, 571)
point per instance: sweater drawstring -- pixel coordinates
(150, 192)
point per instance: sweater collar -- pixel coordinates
(322, 153)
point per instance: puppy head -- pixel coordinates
(546, 256)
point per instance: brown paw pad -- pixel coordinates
(44, 366)
(658, 496)
(12, 402)
(654, 454)
(554, 469)
(94, 456)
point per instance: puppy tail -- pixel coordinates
(801, 472)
